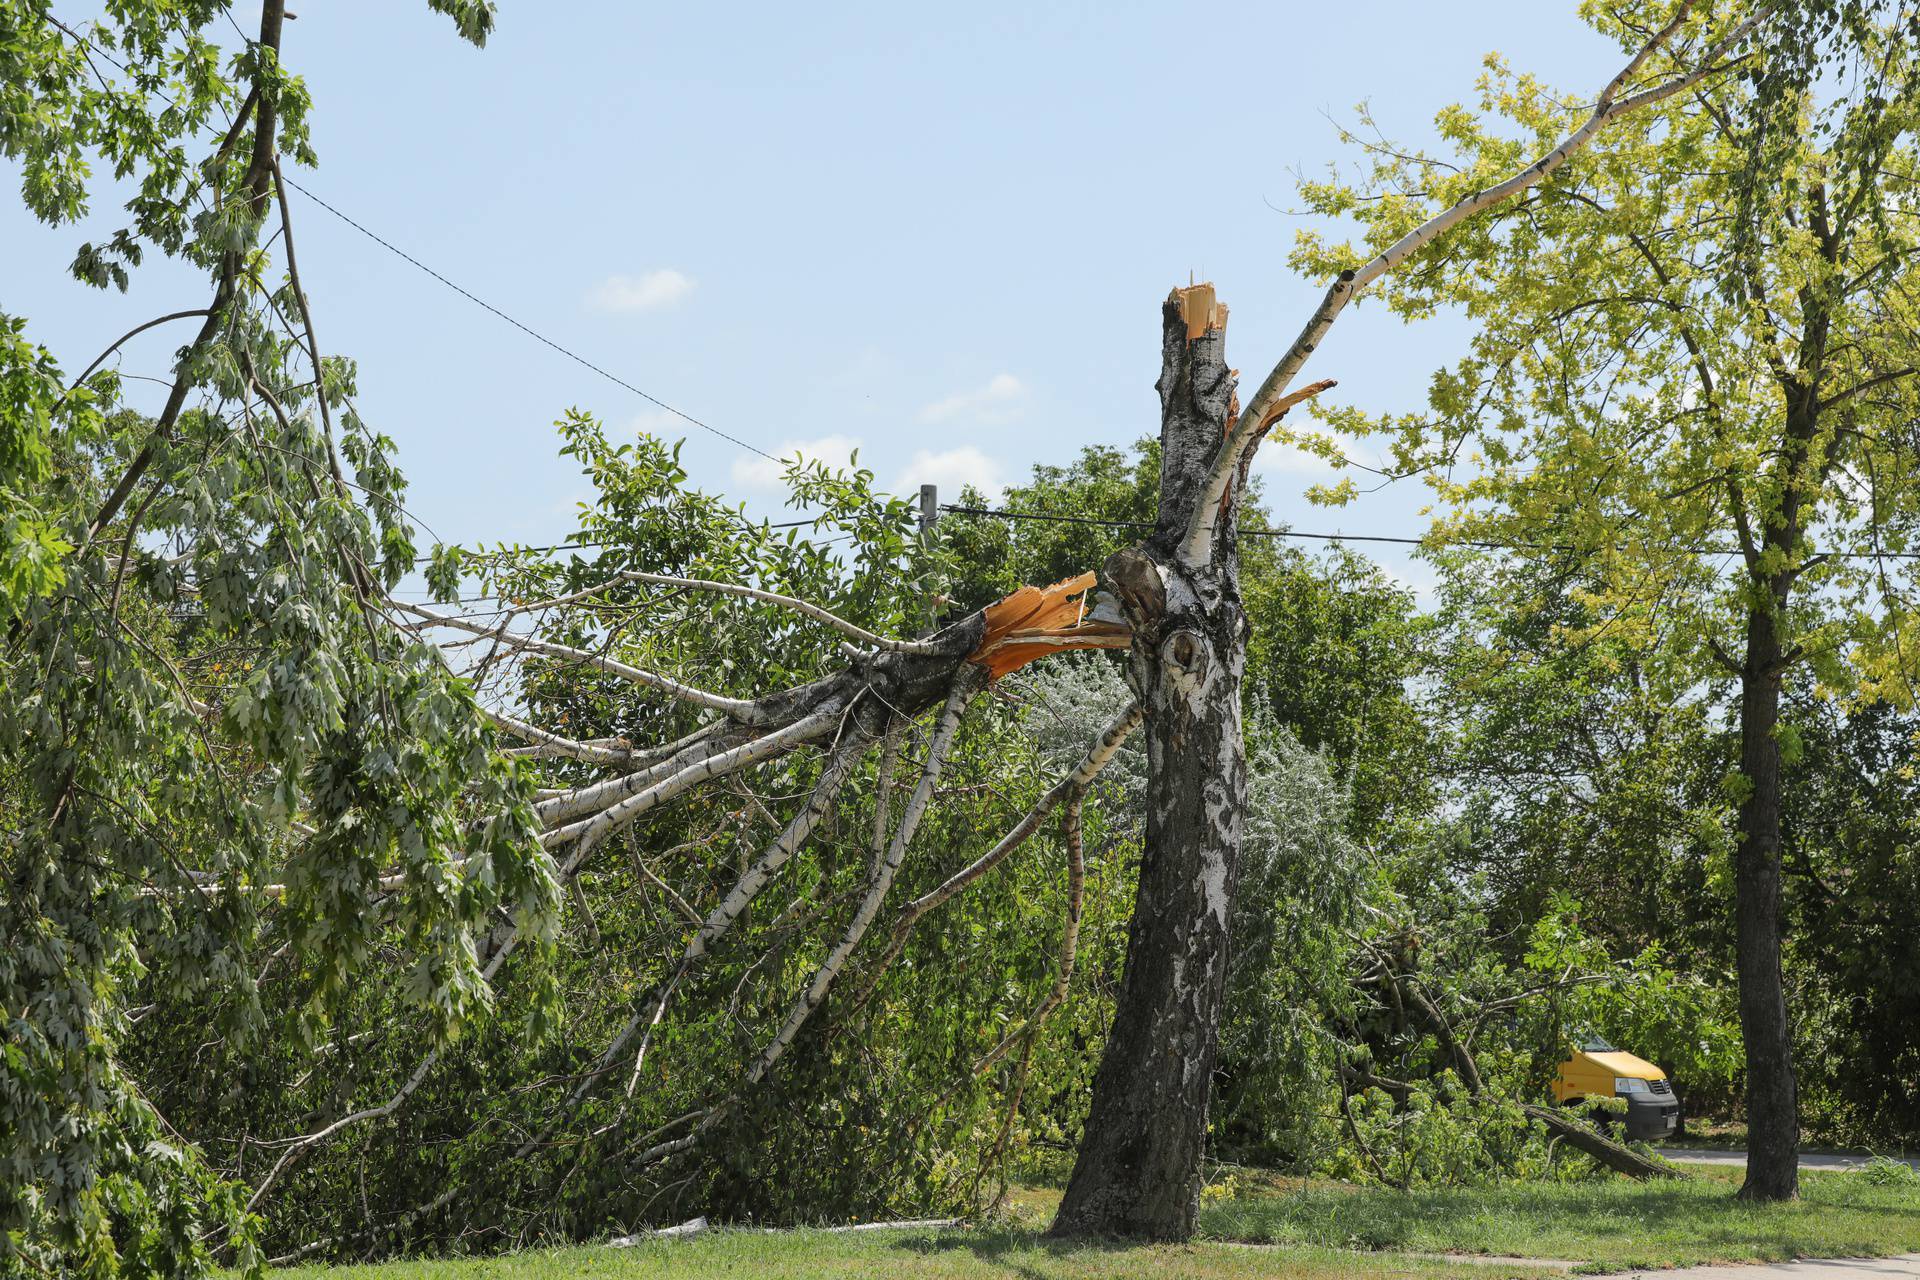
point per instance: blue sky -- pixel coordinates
(941, 233)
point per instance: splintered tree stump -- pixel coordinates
(1138, 1172)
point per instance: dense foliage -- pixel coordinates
(287, 964)
(189, 665)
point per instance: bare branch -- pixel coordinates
(925, 648)
(966, 683)
(121, 341)
(737, 708)
(1098, 755)
(1197, 543)
(748, 887)
(549, 745)
(779, 742)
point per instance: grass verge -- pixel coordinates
(1612, 1225)
(916, 1255)
(1320, 1231)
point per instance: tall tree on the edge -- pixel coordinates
(1694, 383)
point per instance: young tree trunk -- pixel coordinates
(1773, 1116)
(1138, 1170)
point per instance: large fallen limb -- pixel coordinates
(858, 704)
(1267, 401)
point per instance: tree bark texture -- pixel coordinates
(1138, 1170)
(1773, 1112)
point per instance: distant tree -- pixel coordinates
(1694, 353)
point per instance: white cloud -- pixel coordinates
(1280, 457)
(764, 473)
(1415, 576)
(951, 469)
(998, 401)
(659, 423)
(647, 292)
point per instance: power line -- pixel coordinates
(1244, 532)
(392, 248)
(1381, 537)
(531, 332)
(580, 546)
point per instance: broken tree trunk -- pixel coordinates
(1138, 1171)
(1173, 601)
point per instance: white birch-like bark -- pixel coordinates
(548, 746)
(966, 683)
(607, 821)
(597, 796)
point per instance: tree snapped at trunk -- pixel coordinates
(1139, 1163)
(1172, 602)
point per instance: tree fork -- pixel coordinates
(1138, 1170)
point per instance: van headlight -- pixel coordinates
(1626, 1084)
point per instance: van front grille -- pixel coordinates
(1660, 1087)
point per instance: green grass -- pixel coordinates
(915, 1255)
(1611, 1225)
(1320, 1231)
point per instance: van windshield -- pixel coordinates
(1591, 1043)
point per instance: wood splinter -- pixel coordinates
(1036, 621)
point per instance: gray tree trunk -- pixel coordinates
(1138, 1170)
(1773, 1110)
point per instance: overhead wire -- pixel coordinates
(529, 330)
(1051, 518)
(652, 399)
(470, 296)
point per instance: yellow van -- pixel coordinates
(1598, 1070)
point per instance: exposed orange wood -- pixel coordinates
(1201, 309)
(1293, 398)
(1036, 621)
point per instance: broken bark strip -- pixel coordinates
(1036, 621)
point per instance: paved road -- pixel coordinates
(1808, 1159)
(1904, 1267)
